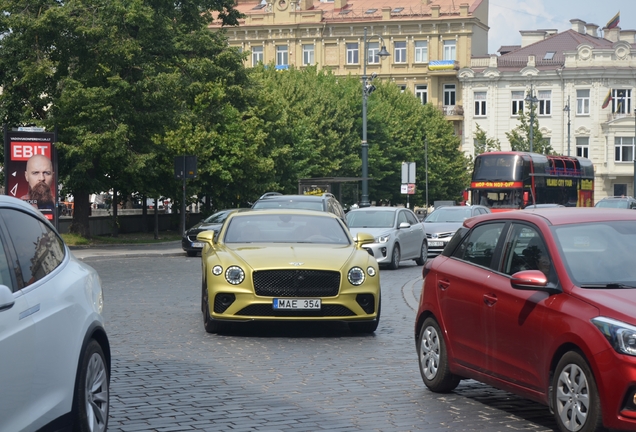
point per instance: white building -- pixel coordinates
(576, 70)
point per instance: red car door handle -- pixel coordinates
(490, 299)
(443, 284)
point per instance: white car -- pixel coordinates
(399, 235)
(54, 352)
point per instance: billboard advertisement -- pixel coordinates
(31, 169)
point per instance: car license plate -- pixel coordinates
(296, 303)
(197, 244)
(435, 244)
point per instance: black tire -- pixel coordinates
(395, 257)
(423, 254)
(192, 253)
(433, 359)
(575, 398)
(367, 327)
(91, 400)
(211, 325)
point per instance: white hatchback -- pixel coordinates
(54, 352)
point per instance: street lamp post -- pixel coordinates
(531, 99)
(367, 89)
(567, 109)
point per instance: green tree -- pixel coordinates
(483, 143)
(398, 129)
(519, 137)
(111, 75)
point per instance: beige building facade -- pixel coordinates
(428, 41)
(583, 81)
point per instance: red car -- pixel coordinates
(540, 303)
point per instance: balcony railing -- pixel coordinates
(453, 110)
(615, 116)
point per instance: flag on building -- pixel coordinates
(608, 99)
(614, 21)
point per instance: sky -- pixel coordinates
(508, 17)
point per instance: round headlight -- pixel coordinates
(217, 270)
(371, 271)
(234, 275)
(356, 276)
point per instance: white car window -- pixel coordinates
(39, 249)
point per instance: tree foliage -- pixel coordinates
(111, 75)
(483, 143)
(519, 137)
(130, 84)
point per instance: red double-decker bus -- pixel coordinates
(514, 180)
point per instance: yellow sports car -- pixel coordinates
(288, 265)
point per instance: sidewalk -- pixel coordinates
(131, 250)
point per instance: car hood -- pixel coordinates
(294, 256)
(615, 303)
(204, 227)
(375, 232)
(439, 227)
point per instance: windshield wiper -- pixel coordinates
(608, 286)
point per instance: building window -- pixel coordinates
(421, 52)
(545, 105)
(352, 53)
(400, 52)
(620, 189)
(450, 50)
(308, 54)
(257, 55)
(517, 102)
(583, 102)
(373, 48)
(402, 87)
(621, 101)
(624, 149)
(449, 94)
(282, 55)
(421, 91)
(582, 146)
(480, 104)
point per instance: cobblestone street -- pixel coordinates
(170, 375)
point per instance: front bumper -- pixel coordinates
(189, 243)
(617, 389)
(380, 251)
(436, 246)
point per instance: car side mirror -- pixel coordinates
(363, 238)
(404, 225)
(6, 298)
(207, 237)
(529, 280)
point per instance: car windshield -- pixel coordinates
(448, 215)
(217, 218)
(599, 254)
(612, 203)
(370, 219)
(288, 204)
(285, 228)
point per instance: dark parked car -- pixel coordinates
(325, 202)
(442, 223)
(189, 242)
(538, 303)
(624, 202)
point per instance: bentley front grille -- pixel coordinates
(296, 283)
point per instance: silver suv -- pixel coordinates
(625, 202)
(325, 202)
